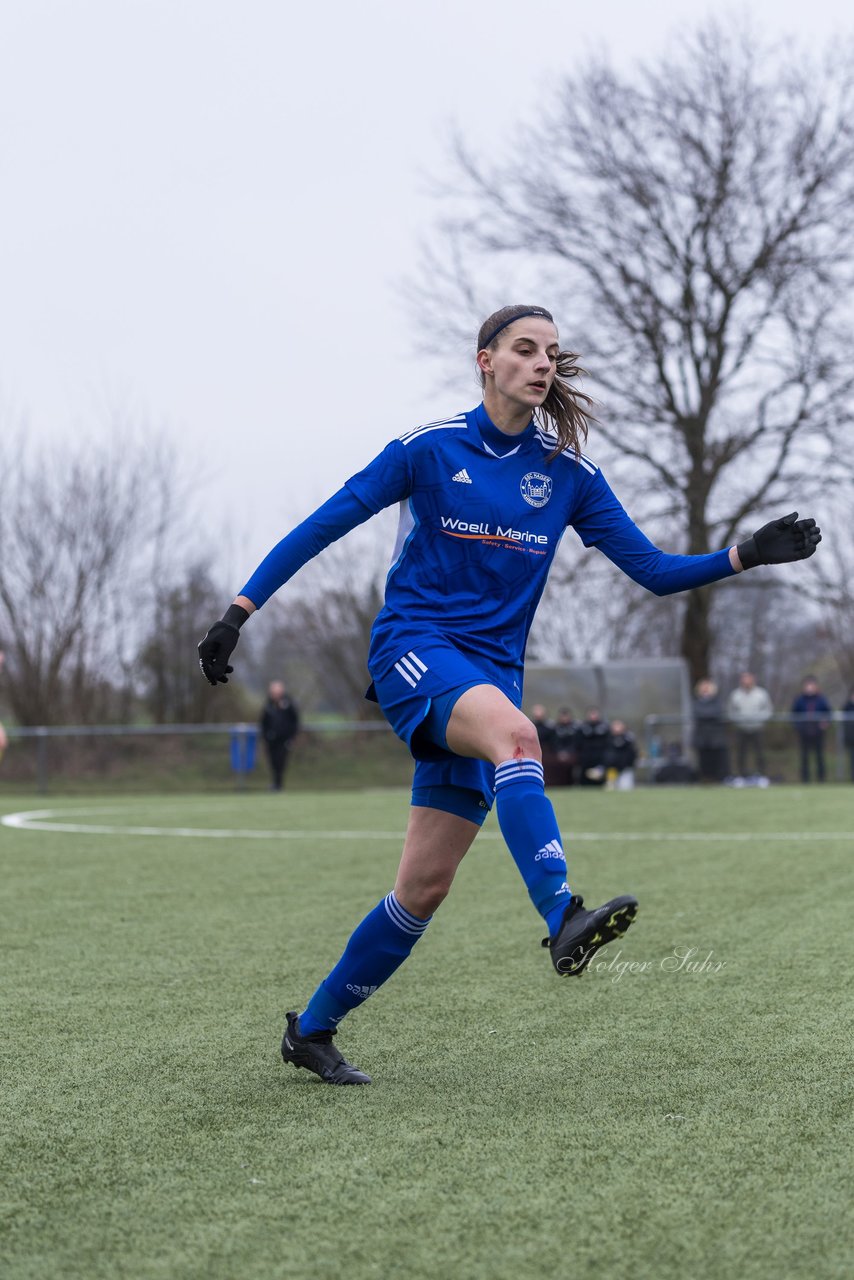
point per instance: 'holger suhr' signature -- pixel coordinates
(679, 960)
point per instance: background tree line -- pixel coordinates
(692, 224)
(104, 596)
(101, 609)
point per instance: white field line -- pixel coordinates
(45, 820)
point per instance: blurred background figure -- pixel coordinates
(545, 734)
(544, 727)
(593, 738)
(279, 727)
(4, 741)
(565, 747)
(749, 707)
(675, 768)
(622, 752)
(848, 731)
(710, 737)
(811, 715)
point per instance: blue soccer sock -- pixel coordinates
(377, 947)
(529, 826)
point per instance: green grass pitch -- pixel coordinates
(652, 1119)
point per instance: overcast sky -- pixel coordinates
(208, 209)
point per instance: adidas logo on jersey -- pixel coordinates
(462, 477)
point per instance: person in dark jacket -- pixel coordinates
(594, 734)
(279, 727)
(553, 770)
(564, 744)
(810, 715)
(848, 731)
(4, 741)
(544, 727)
(710, 735)
(620, 757)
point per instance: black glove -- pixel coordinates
(780, 542)
(218, 644)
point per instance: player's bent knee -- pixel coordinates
(525, 743)
(425, 897)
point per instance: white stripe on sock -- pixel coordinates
(402, 918)
(518, 770)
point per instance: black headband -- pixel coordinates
(535, 311)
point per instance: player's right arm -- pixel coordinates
(384, 481)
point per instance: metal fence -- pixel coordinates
(327, 754)
(780, 736)
(197, 756)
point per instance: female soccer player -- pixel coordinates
(484, 499)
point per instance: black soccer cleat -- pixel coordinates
(582, 932)
(317, 1053)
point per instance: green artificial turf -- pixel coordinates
(653, 1121)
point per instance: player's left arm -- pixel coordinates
(601, 521)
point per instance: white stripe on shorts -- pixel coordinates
(407, 677)
(411, 668)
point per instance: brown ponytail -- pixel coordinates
(565, 412)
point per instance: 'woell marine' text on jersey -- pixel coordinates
(481, 516)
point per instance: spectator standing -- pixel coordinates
(279, 727)
(593, 737)
(622, 752)
(848, 731)
(749, 707)
(544, 727)
(4, 741)
(811, 714)
(710, 739)
(565, 747)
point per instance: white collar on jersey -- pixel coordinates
(508, 454)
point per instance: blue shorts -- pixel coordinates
(417, 695)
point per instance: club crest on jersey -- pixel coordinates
(536, 488)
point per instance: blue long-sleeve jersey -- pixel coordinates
(481, 516)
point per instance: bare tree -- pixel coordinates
(171, 686)
(695, 219)
(321, 623)
(770, 628)
(85, 535)
(592, 612)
